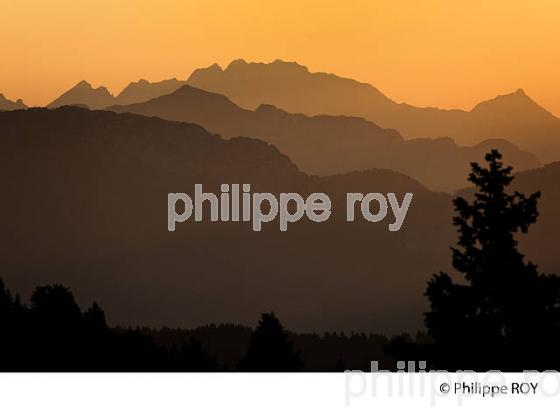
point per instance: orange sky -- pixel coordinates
(440, 53)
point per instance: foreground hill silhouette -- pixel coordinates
(86, 195)
(327, 144)
(292, 87)
(7, 105)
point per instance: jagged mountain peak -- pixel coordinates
(517, 97)
(144, 90)
(84, 94)
(237, 63)
(287, 85)
(83, 84)
(278, 64)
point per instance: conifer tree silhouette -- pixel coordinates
(55, 306)
(269, 348)
(57, 323)
(504, 315)
(94, 317)
(5, 299)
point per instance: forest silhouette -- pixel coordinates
(502, 314)
(51, 333)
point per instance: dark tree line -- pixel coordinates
(328, 351)
(51, 333)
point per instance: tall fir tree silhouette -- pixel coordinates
(270, 349)
(504, 315)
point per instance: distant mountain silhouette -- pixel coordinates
(83, 94)
(86, 193)
(292, 87)
(7, 105)
(327, 145)
(144, 90)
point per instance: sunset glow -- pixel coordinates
(436, 53)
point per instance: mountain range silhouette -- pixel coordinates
(292, 87)
(83, 94)
(326, 145)
(85, 192)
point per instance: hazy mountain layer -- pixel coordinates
(7, 105)
(327, 145)
(144, 90)
(83, 94)
(290, 86)
(86, 194)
